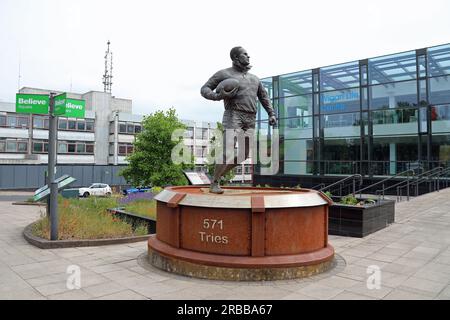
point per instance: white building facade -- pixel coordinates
(104, 137)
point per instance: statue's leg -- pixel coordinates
(215, 185)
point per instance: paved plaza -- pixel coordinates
(413, 256)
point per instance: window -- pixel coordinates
(137, 129)
(62, 124)
(81, 126)
(295, 106)
(440, 118)
(199, 134)
(340, 101)
(81, 148)
(440, 148)
(90, 125)
(41, 122)
(298, 127)
(122, 128)
(72, 125)
(22, 122)
(294, 84)
(2, 121)
(394, 122)
(394, 149)
(394, 95)
(189, 133)
(130, 149)
(11, 146)
(122, 150)
(38, 147)
(130, 128)
(14, 145)
(341, 150)
(71, 148)
(440, 90)
(62, 147)
(90, 148)
(267, 84)
(439, 60)
(22, 146)
(341, 125)
(340, 76)
(12, 121)
(396, 67)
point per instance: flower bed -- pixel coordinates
(87, 219)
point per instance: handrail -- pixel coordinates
(319, 186)
(341, 182)
(423, 179)
(429, 172)
(383, 181)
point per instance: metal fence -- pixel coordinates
(14, 177)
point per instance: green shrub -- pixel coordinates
(350, 200)
(156, 190)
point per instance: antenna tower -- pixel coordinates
(107, 77)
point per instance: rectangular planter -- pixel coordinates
(360, 221)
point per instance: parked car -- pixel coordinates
(97, 189)
(136, 190)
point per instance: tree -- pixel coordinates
(215, 143)
(151, 164)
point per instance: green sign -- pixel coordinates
(32, 103)
(60, 104)
(75, 108)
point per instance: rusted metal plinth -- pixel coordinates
(244, 234)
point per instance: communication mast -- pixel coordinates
(107, 77)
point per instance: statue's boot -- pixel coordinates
(215, 188)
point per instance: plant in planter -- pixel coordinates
(349, 200)
(360, 217)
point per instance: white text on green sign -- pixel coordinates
(60, 104)
(32, 103)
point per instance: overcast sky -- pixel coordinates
(164, 51)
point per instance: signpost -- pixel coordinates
(52, 140)
(32, 103)
(54, 106)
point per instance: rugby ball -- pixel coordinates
(227, 85)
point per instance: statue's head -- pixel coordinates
(240, 55)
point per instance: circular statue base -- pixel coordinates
(244, 234)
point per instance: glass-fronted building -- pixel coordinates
(376, 117)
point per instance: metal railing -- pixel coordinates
(319, 186)
(383, 182)
(433, 178)
(407, 183)
(341, 184)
